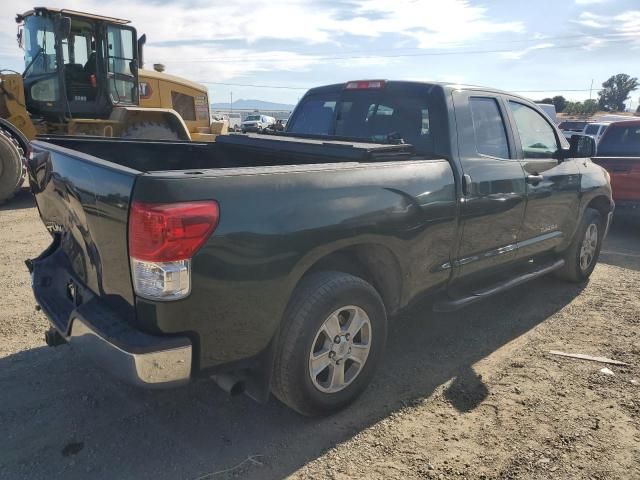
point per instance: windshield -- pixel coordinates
(39, 46)
(252, 118)
(623, 141)
(374, 115)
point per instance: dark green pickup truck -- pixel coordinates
(272, 263)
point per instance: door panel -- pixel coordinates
(493, 200)
(552, 186)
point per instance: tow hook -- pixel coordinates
(53, 338)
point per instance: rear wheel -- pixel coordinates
(582, 255)
(333, 337)
(150, 131)
(12, 166)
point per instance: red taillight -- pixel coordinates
(172, 231)
(364, 84)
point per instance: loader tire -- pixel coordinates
(150, 131)
(12, 166)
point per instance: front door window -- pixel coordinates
(537, 137)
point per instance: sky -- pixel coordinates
(274, 50)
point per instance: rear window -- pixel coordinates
(376, 115)
(592, 129)
(620, 140)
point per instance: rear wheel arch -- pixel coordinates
(372, 262)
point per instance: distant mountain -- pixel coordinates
(252, 105)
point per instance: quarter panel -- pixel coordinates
(275, 226)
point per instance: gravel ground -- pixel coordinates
(472, 394)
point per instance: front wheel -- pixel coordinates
(582, 255)
(333, 336)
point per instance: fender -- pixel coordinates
(17, 134)
(127, 115)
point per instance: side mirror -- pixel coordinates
(62, 27)
(133, 67)
(581, 146)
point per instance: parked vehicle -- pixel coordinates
(572, 127)
(274, 262)
(595, 130)
(619, 153)
(257, 123)
(550, 110)
(235, 122)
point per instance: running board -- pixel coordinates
(458, 303)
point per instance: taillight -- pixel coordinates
(162, 240)
(364, 84)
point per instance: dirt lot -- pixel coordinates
(472, 394)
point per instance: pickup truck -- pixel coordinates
(619, 153)
(273, 263)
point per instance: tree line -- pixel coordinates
(612, 98)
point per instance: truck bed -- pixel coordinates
(229, 151)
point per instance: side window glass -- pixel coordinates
(536, 135)
(488, 126)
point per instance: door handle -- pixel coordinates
(466, 184)
(534, 179)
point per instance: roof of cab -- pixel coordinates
(75, 13)
(444, 85)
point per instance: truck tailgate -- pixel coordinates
(625, 176)
(84, 203)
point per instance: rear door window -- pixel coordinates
(488, 127)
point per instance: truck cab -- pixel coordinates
(77, 64)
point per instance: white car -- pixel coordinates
(257, 123)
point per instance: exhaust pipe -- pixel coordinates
(53, 338)
(232, 384)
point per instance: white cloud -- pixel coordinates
(590, 2)
(622, 28)
(426, 24)
(517, 54)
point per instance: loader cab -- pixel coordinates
(77, 65)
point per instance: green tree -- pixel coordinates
(589, 107)
(615, 91)
(547, 100)
(560, 103)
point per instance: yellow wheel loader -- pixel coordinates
(83, 76)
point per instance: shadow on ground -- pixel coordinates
(61, 417)
(622, 247)
(22, 199)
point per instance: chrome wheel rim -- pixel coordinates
(340, 349)
(589, 246)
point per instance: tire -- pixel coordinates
(12, 166)
(588, 238)
(150, 131)
(314, 302)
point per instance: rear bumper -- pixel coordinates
(95, 330)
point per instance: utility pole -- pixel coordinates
(231, 102)
(591, 89)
